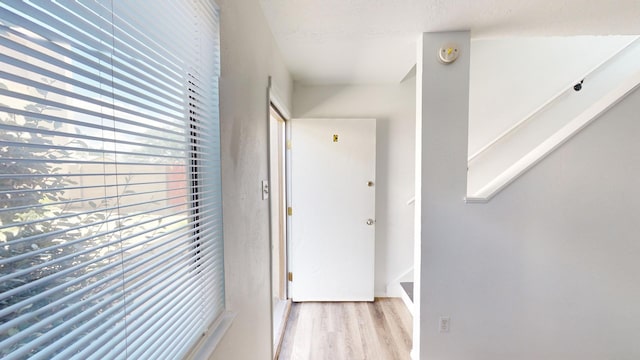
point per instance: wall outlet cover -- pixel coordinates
(444, 324)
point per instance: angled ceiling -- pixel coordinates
(374, 41)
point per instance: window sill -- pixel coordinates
(207, 345)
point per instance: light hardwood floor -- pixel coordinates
(348, 331)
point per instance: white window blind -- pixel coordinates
(110, 196)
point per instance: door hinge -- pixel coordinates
(289, 211)
(288, 144)
(290, 276)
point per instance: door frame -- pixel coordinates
(278, 206)
(274, 101)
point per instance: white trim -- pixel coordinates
(475, 200)
(278, 101)
(407, 302)
(288, 224)
(209, 341)
(417, 225)
(283, 326)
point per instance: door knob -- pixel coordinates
(370, 221)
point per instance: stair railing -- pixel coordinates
(551, 101)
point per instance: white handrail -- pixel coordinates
(548, 102)
(562, 135)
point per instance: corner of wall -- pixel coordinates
(441, 182)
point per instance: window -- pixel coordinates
(110, 196)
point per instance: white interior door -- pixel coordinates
(333, 209)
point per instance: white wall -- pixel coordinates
(249, 56)
(511, 77)
(549, 268)
(394, 108)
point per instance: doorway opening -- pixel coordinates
(329, 236)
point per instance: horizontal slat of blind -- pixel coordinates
(83, 200)
(95, 322)
(88, 38)
(92, 101)
(87, 152)
(175, 144)
(61, 275)
(151, 300)
(146, 102)
(86, 61)
(68, 188)
(97, 210)
(173, 246)
(45, 294)
(87, 250)
(120, 120)
(142, 90)
(151, 318)
(186, 242)
(110, 215)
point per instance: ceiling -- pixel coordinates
(374, 41)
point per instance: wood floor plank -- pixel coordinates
(353, 345)
(368, 333)
(399, 321)
(383, 333)
(290, 334)
(380, 330)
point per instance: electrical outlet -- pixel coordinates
(445, 324)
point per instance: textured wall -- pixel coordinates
(548, 268)
(249, 56)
